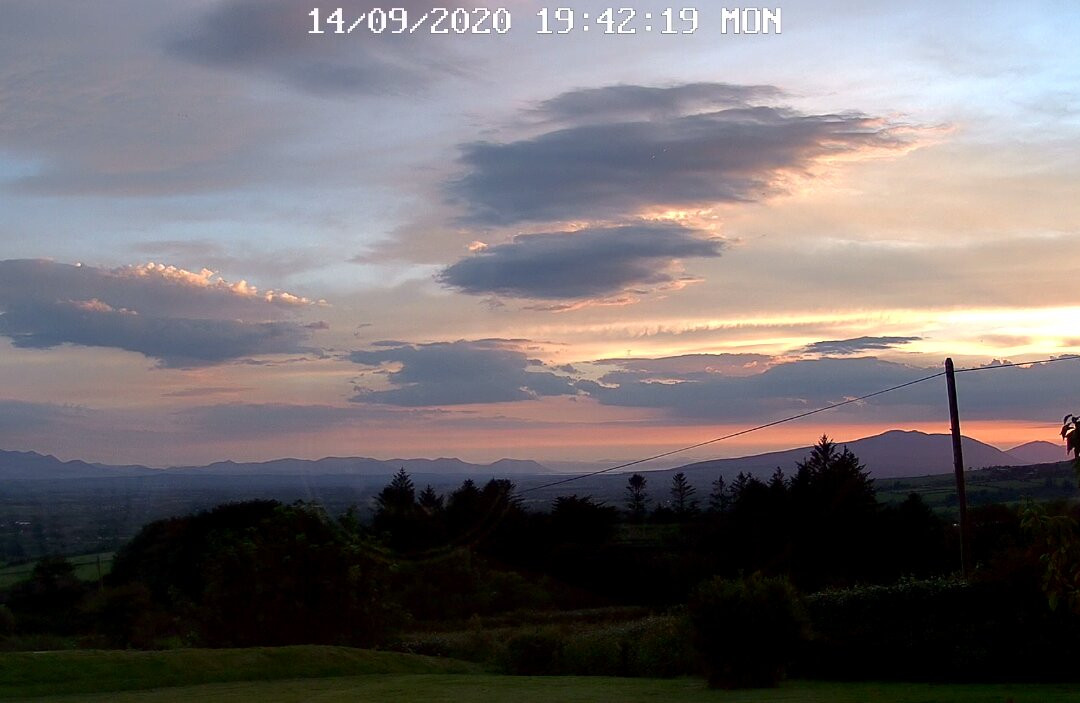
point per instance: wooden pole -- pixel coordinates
(958, 466)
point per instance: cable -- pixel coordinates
(788, 419)
(734, 434)
(1019, 363)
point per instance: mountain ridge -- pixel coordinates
(890, 454)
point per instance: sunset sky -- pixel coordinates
(222, 237)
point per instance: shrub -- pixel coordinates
(940, 629)
(533, 653)
(746, 630)
(7, 622)
(653, 647)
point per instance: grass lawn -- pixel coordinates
(466, 688)
(24, 674)
(330, 674)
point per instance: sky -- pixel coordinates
(224, 236)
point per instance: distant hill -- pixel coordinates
(893, 454)
(33, 466)
(1039, 452)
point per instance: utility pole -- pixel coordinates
(958, 465)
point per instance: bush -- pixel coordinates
(746, 630)
(7, 621)
(940, 629)
(533, 653)
(656, 647)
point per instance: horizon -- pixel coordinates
(228, 235)
(569, 467)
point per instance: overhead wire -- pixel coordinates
(781, 421)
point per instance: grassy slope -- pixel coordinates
(434, 688)
(30, 674)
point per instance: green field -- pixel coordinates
(1007, 485)
(330, 674)
(88, 567)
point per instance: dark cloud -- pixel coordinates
(151, 289)
(459, 373)
(271, 37)
(589, 263)
(857, 345)
(615, 167)
(176, 342)
(683, 388)
(783, 388)
(178, 317)
(630, 102)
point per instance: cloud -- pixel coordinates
(782, 388)
(181, 318)
(857, 345)
(272, 37)
(590, 263)
(690, 365)
(768, 389)
(458, 373)
(631, 102)
(614, 167)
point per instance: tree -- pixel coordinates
(682, 492)
(718, 498)
(398, 496)
(257, 573)
(582, 520)
(397, 516)
(834, 509)
(636, 501)
(834, 479)
(429, 501)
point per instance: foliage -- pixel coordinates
(582, 520)
(257, 573)
(7, 621)
(654, 646)
(532, 654)
(1058, 541)
(48, 601)
(939, 629)
(746, 630)
(718, 497)
(682, 500)
(637, 498)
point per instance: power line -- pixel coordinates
(781, 421)
(1019, 363)
(735, 434)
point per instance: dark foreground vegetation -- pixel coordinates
(810, 576)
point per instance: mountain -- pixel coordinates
(893, 454)
(34, 466)
(31, 465)
(1039, 452)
